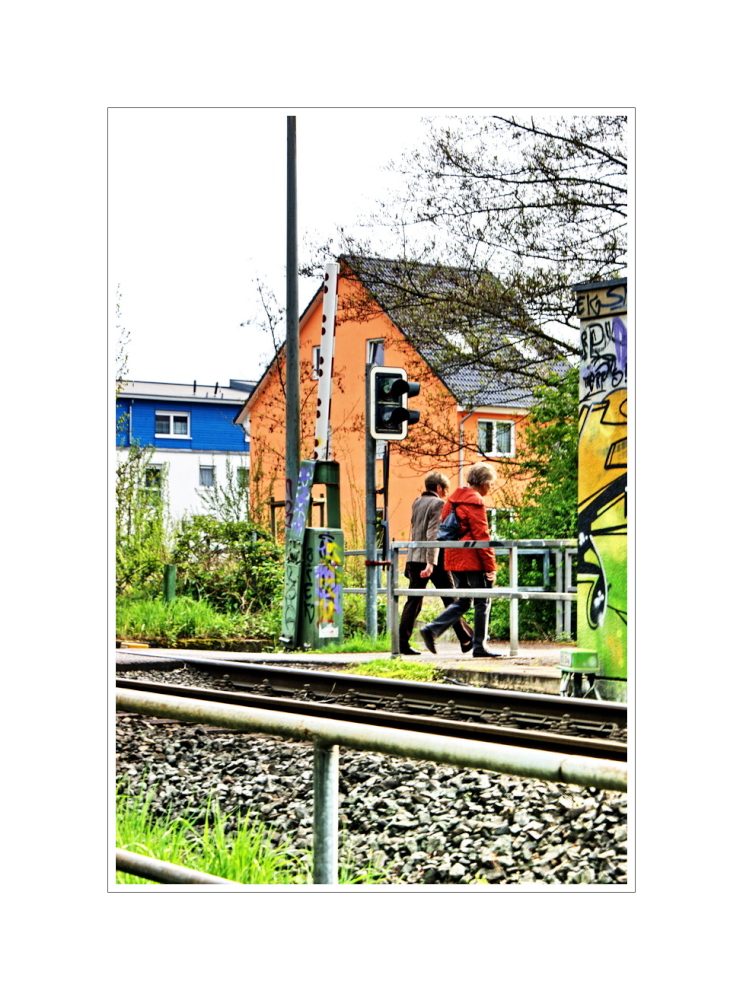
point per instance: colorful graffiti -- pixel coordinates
(602, 477)
(328, 584)
(304, 498)
(294, 550)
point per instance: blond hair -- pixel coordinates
(481, 474)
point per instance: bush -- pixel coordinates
(354, 615)
(141, 532)
(536, 618)
(234, 565)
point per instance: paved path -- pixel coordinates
(534, 669)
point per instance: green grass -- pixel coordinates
(242, 854)
(398, 670)
(358, 644)
(182, 618)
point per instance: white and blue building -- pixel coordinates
(191, 429)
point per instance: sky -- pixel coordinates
(197, 212)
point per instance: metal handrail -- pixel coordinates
(163, 871)
(563, 598)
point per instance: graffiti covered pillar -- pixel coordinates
(602, 482)
(313, 592)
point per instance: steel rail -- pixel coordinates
(555, 741)
(581, 711)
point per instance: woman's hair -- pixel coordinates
(481, 473)
(434, 479)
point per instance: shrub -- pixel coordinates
(141, 532)
(234, 565)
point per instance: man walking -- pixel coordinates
(428, 564)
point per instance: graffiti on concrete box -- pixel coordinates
(328, 584)
(602, 478)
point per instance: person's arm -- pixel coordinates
(432, 529)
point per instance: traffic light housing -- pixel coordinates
(389, 391)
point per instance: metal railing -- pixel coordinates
(328, 735)
(564, 595)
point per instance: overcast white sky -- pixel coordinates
(197, 211)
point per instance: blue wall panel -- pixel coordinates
(211, 425)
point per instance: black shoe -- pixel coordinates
(467, 646)
(427, 636)
(481, 651)
(409, 651)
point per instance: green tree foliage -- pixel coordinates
(234, 565)
(550, 502)
(523, 208)
(225, 558)
(141, 527)
(549, 507)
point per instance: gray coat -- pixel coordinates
(424, 526)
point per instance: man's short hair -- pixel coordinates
(434, 479)
(481, 473)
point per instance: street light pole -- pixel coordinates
(292, 322)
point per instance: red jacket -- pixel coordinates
(470, 508)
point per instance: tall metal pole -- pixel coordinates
(292, 321)
(371, 522)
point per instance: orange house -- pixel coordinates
(466, 414)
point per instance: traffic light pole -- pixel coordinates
(371, 520)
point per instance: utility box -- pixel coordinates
(322, 585)
(582, 661)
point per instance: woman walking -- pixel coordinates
(428, 564)
(471, 568)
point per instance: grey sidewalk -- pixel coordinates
(534, 669)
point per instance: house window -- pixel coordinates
(206, 475)
(242, 477)
(153, 477)
(495, 437)
(375, 352)
(170, 424)
(316, 362)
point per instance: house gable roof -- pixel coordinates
(412, 294)
(409, 293)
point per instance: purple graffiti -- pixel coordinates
(619, 332)
(306, 475)
(328, 579)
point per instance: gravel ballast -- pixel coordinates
(420, 822)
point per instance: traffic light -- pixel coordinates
(388, 393)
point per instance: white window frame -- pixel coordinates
(203, 468)
(371, 351)
(495, 453)
(170, 414)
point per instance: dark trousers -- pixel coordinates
(471, 579)
(441, 581)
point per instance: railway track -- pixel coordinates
(547, 722)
